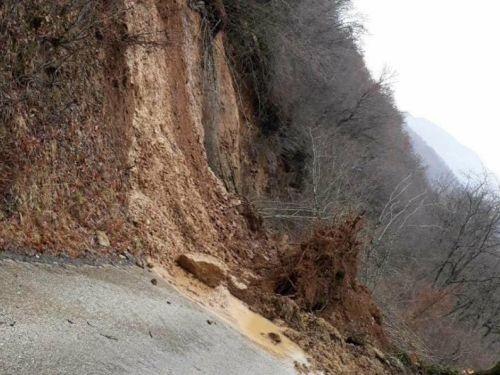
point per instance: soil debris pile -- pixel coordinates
(320, 277)
(312, 289)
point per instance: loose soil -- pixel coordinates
(160, 198)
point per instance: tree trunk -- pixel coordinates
(493, 371)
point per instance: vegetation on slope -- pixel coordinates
(338, 146)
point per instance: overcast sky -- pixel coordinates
(446, 54)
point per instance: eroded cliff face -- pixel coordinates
(155, 114)
(175, 198)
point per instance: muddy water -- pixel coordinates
(236, 313)
(258, 328)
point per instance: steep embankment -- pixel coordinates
(129, 160)
(124, 162)
(175, 198)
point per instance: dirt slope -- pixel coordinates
(163, 196)
(175, 199)
(134, 165)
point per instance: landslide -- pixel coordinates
(102, 132)
(123, 120)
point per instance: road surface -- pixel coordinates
(87, 320)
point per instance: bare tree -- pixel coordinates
(469, 218)
(388, 233)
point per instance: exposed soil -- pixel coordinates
(319, 277)
(133, 164)
(303, 289)
(279, 325)
(160, 197)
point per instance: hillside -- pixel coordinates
(124, 135)
(247, 143)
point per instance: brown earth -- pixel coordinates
(312, 287)
(142, 178)
(132, 164)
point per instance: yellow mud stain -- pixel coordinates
(235, 313)
(258, 328)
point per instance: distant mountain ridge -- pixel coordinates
(436, 167)
(440, 147)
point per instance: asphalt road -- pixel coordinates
(85, 320)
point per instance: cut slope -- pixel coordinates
(129, 161)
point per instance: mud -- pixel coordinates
(219, 301)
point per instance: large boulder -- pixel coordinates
(205, 268)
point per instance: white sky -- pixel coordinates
(446, 54)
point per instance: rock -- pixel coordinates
(279, 322)
(275, 338)
(102, 239)
(289, 311)
(237, 283)
(139, 262)
(154, 281)
(253, 218)
(235, 202)
(205, 268)
(330, 333)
